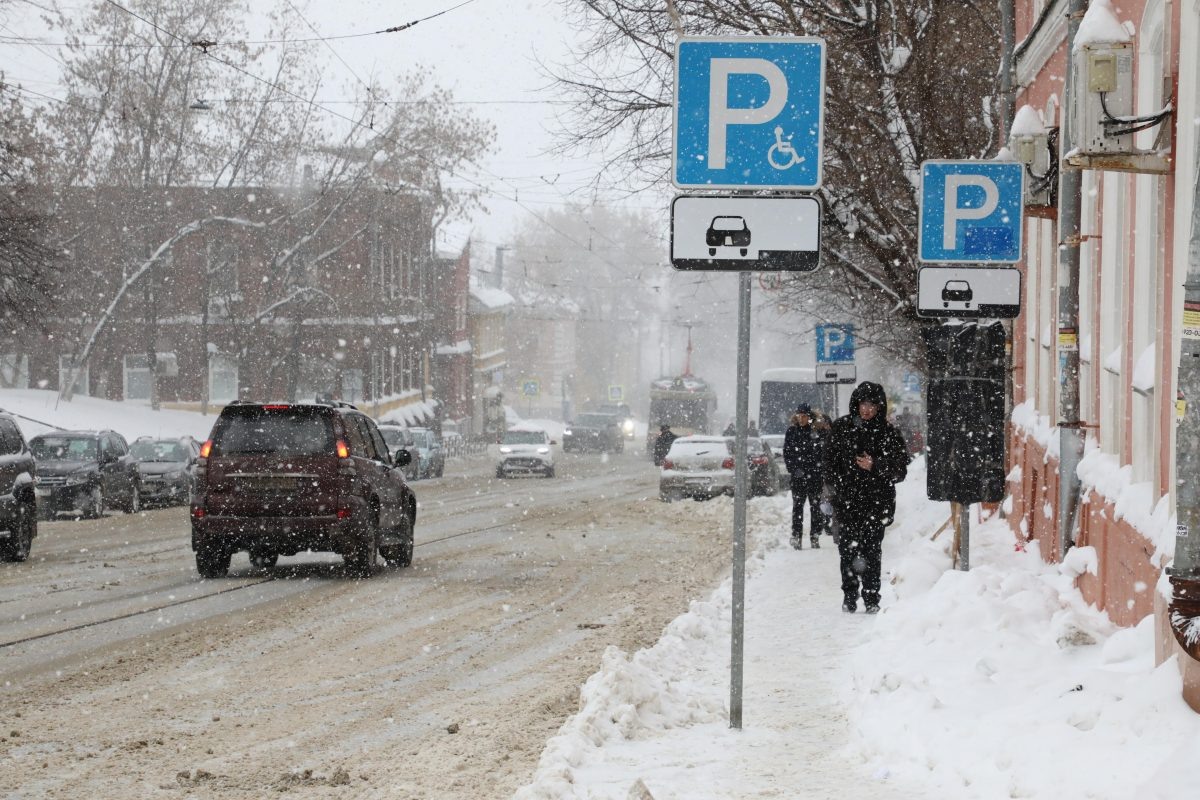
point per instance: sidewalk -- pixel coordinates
(995, 683)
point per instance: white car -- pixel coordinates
(525, 451)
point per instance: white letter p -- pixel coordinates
(953, 213)
(721, 116)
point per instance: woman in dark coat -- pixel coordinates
(864, 461)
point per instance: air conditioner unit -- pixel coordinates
(1102, 93)
(1029, 143)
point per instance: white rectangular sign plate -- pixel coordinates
(962, 292)
(744, 234)
(836, 373)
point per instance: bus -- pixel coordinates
(686, 403)
(781, 390)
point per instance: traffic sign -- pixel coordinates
(835, 344)
(616, 394)
(971, 211)
(837, 373)
(967, 292)
(749, 112)
(746, 233)
(530, 388)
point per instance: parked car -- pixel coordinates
(775, 442)
(701, 467)
(593, 432)
(525, 450)
(85, 471)
(167, 468)
(430, 453)
(397, 437)
(18, 502)
(280, 478)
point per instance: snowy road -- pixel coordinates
(125, 675)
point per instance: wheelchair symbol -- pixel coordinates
(782, 155)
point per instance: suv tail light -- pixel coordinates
(206, 449)
(727, 463)
(758, 461)
(668, 464)
(343, 450)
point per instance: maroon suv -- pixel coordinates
(281, 478)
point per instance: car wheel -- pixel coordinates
(212, 561)
(263, 560)
(135, 500)
(363, 560)
(399, 552)
(95, 504)
(499, 472)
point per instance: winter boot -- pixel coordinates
(816, 542)
(872, 609)
(850, 606)
(797, 542)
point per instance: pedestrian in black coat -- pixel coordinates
(804, 455)
(865, 459)
(662, 444)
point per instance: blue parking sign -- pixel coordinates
(971, 212)
(749, 112)
(835, 344)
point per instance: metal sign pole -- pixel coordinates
(741, 484)
(964, 541)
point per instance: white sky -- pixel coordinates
(486, 52)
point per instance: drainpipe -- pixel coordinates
(1185, 572)
(1008, 91)
(1070, 429)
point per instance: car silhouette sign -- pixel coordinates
(739, 233)
(969, 292)
(727, 232)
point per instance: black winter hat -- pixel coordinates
(869, 392)
(804, 408)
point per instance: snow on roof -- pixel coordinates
(526, 427)
(490, 296)
(1027, 122)
(1100, 25)
(1004, 154)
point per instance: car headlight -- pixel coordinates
(543, 450)
(568, 432)
(76, 480)
(506, 450)
(627, 425)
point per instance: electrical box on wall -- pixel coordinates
(1102, 95)
(1030, 143)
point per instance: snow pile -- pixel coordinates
(999, 682)
(1100, 25)
(39, 411)
(416, 413)
(1037, 427)
(1027, 122)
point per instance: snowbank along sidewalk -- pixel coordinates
(1000, 682)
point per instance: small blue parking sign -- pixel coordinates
(971, 212)
(835, 344)
(748, 112)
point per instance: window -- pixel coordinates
(354, 436)
(381, 447)
(10, 438)
(1030, 311)
(352, 385)
(1087, 298)
(288, 431)
(82, 382)
(223, 268)
(136, 377)
(222, 378)
(1113, 263)
(1047, 317)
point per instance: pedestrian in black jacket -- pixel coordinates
(865, 459)
(662, 444)
(804, 455)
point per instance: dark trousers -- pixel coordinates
(805, 490)
(866, 540)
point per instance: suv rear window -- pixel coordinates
(288, 431)
(709, 448)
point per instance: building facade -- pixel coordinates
(1136, 213)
